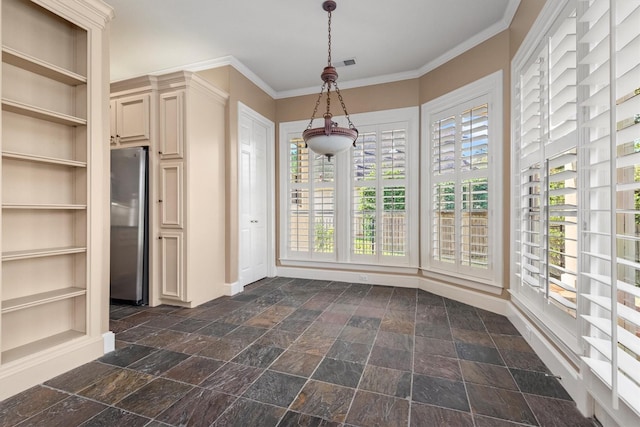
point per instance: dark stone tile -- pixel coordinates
(440, 392)
(115, 386)
(158, 362)
(163, 338)
(258, 355)
(487, 374)
(199, 407)
(496, 323)
(359, 335)
(278, 338)
(429, 299)
(312, 345)
(136, 333)
(344, 308)
(394, 340)
(216, 329)
(374, 312)
(113, 417)
(437, 366)
(222, 349)
(362, 322)
(482, 421)
(194, 370)
(433, 330)
(293, 325)
(434, 416)
(465, 319)
(330, 317)
(164, 321)
(72, 411)
(390, 358)
(349, 351)
(472, 337)
(378, 410)
(242, 315)
(189, 325)
(232, 378)
(500, 403)
(316, 303)
(511, 342)
(81, 377)
(523, 360)
(556, 412)
(296, 363)
(386, 381)
(154, 397)
(435, 347)
(478, 353)
(304, 314)
(245, 413)
(539, 383)
(322, 330)
(245, 297)
(246, 334)
(193, 345)
(339, 372)
(275, 388)
(125, 356)
(270, 317)
(295, 419)
(328, 401)
(28, 403)
(401, 322)
(120, 312)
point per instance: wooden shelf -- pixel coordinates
(38, 253)
(41, 298)
(43, 206)
(43, 68)
(40, 345)
(41, 113)
(43, 159)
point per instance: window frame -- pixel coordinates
(487, 90)
(343, 257)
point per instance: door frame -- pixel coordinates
(245, 111)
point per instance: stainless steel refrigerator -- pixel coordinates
(129, 225)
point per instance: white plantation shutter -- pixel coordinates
(460, 188)
(610, 38)
(547, 177)
(310, 209)
(379, 203)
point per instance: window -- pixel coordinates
(546, 182)
(462, 189)
(611, 237)
(357, 208)
(576, 192)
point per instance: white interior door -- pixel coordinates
(253, 138)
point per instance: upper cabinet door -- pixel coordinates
(132, 119)
(172, 125)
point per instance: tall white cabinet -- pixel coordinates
(55, 190)
(186, 117)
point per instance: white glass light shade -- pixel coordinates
(329, 145)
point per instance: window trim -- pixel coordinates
(344, 186)
(490, 88)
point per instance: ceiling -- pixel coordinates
(281, 45)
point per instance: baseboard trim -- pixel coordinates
(570, 377)
(109, 339)
(230, 289)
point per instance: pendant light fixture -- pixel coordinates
(330, 139)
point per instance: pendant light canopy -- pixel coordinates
(330, 139)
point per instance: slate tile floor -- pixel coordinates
(291, 352)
